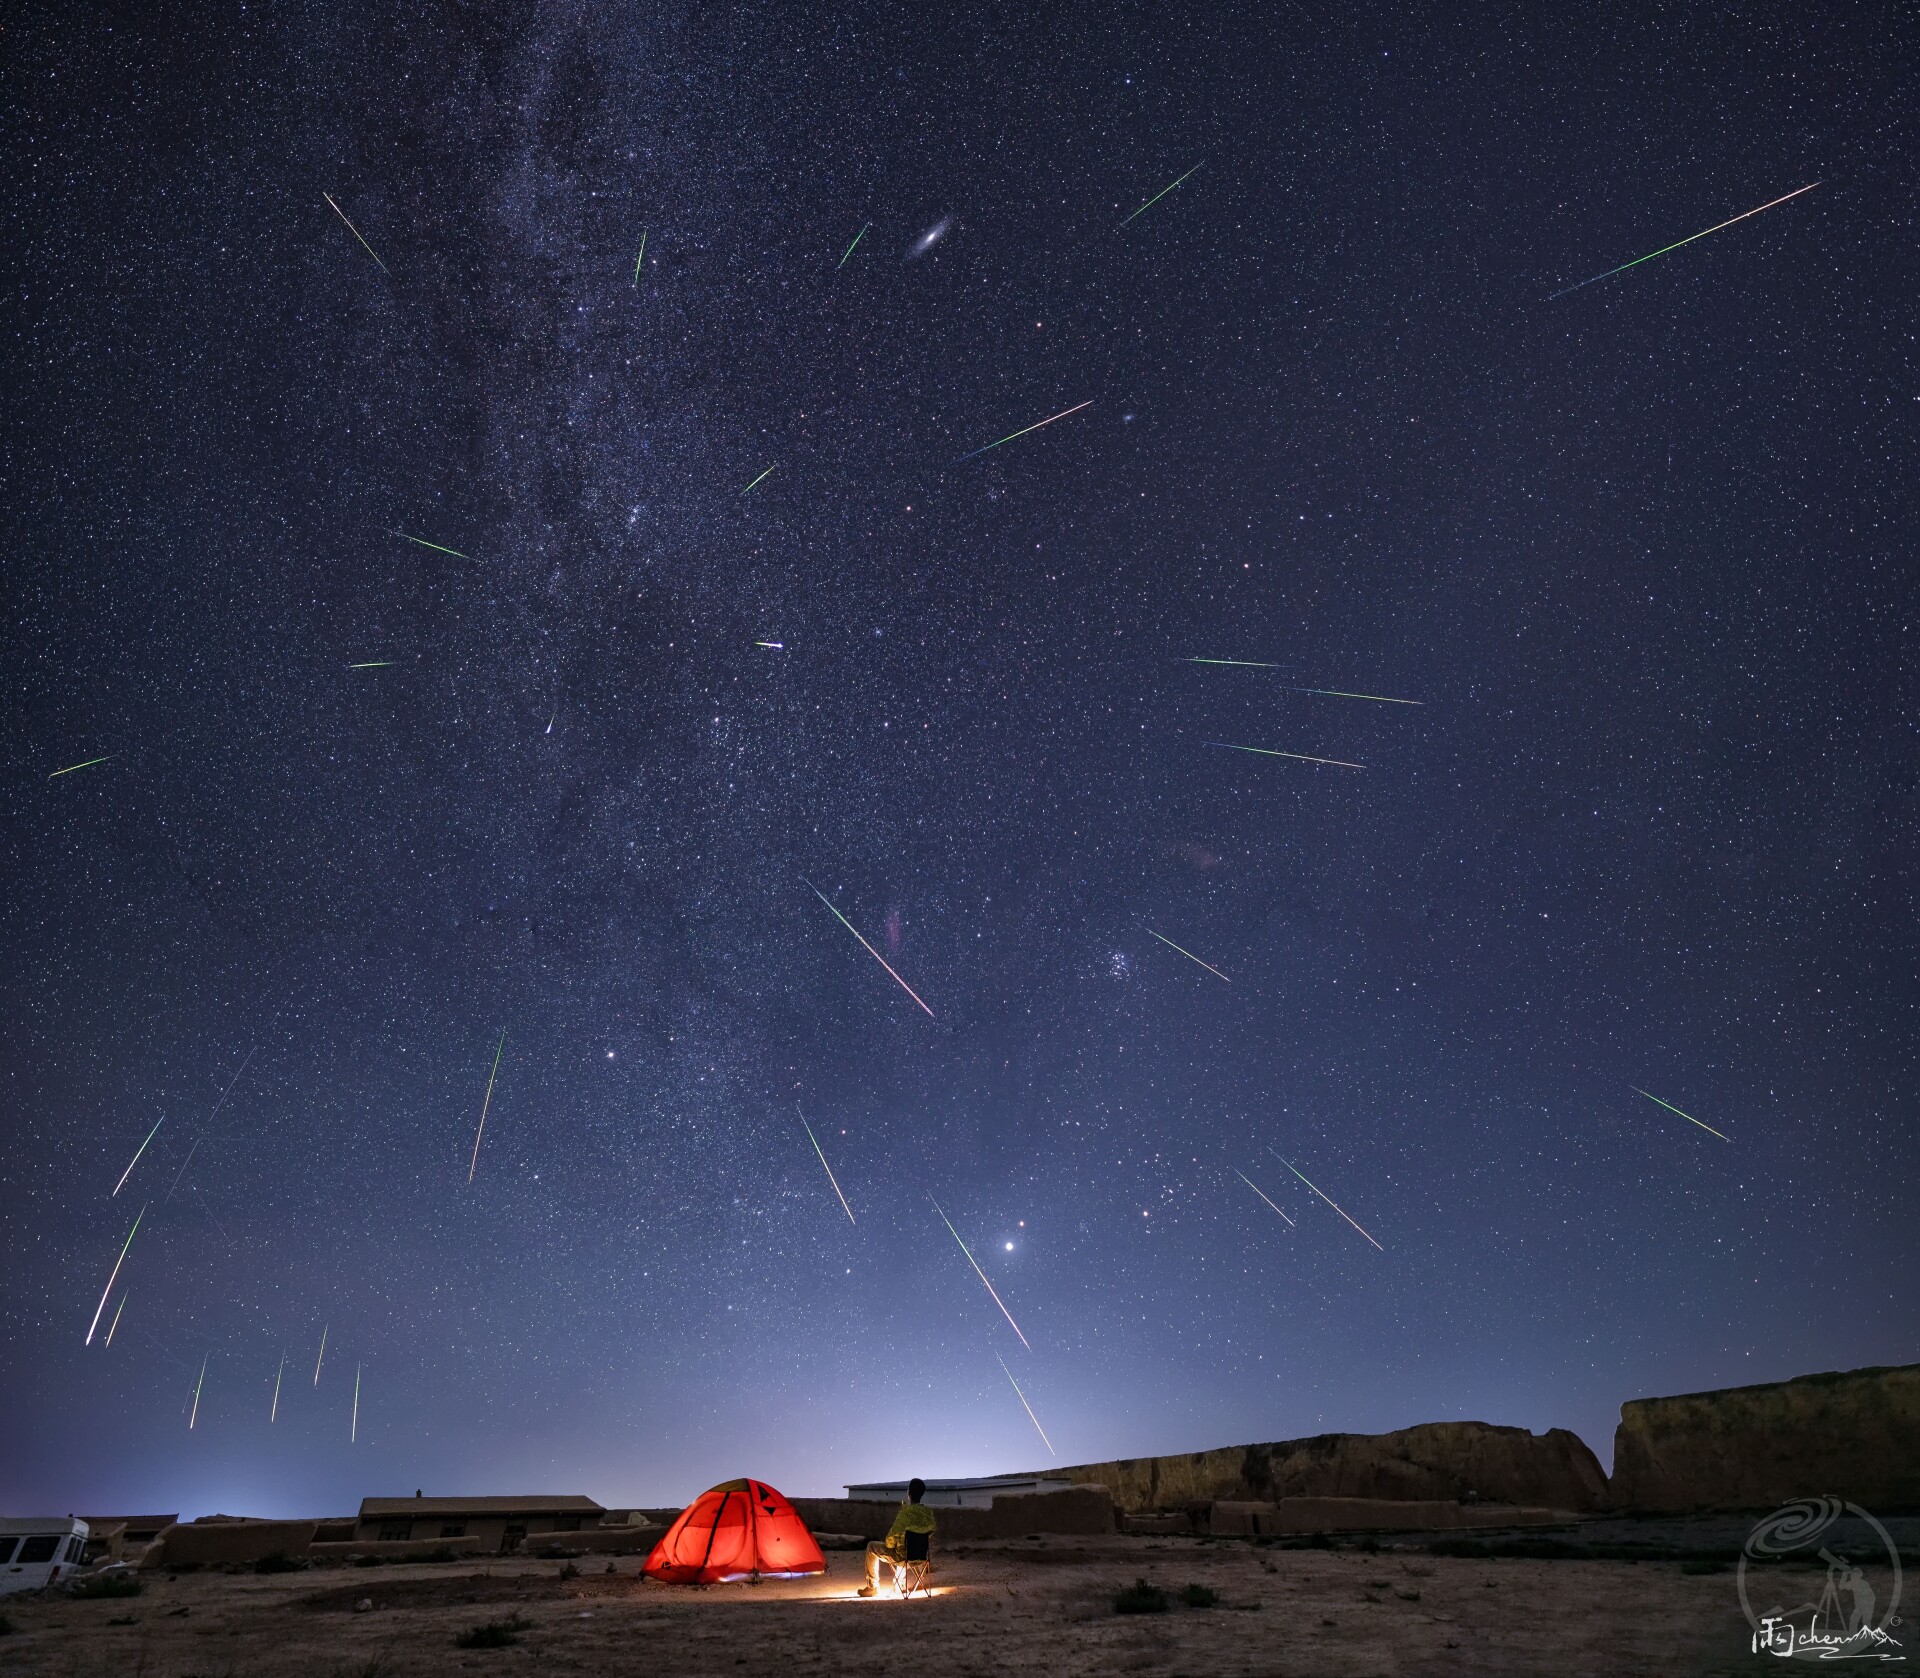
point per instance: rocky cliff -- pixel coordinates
(1855, 1435)
(1439, 1460)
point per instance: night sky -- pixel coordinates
(1643, 554)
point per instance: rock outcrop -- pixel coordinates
(1437, 1461)
(1855, 1434)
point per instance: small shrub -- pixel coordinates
(1198, 1596)
(569, 1571)
(106, 1585)
(554, 1552)
(446, 1552)
(278, 1563)
(494, 1634)
(6, 1626)
(1141, 1598)
(1704, 1564)
(369, 1561)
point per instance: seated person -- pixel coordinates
(891, 1551)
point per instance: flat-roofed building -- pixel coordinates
(502, 1523)
(119, 1535)
(961, 1494)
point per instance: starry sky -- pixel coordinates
(1642, 554)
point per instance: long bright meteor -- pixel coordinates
(353, 1438)
(197, 1386)
(122, 1259)
(1238, 663)
(1662, 251)
(1155, 199)
(1024, 1405)
(474, 1164)
(373, 664)
(342, 214)
(71, 767)
(1170, 944)
(980, 1273)
(1256, 1189)
(137, 1152)
(274, 1414)
(877, 956)
(1040, 425)
(421, 541)
(851, 248)
(825, 1167)
(1339, 693)
(1291, 1167)
(1298, 757)
(116, 1318)
(322, 1358)
(750, 487)
(642, 257)
(1673, 1109)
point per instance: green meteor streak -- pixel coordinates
(73, 766)
(1170, 944)
(1637, 1090)
(342, 214)
(826, 1167)
(376, 664)
(752, 486)
(1155, 199)
(849, 251)
(1289, 1165)
(642, 257)
(122, 1259)
(1035, 427)
(196, 1389)
(1377, 698)
(1298, 757)
(1662, 251)
(979, 1272)
(877, 956)
(474, 1164)
(116, 1318)
(1024, 1405)
(1256, 1189)
(423, 542)
(137, 1152)
(1243, 663)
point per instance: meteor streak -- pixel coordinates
(877, 956)
(375, 664)
(1170, 944)
(1673, 1109)
(116, 1318)
(1035, 427)
(1298, 757)
(322, 1358)
(824, 1166)
(474, 1164)
(980, 1273)
(182, 1171)
(196, 1389)
(1290, 1167)
(772, 646)
(642, 257)
(1155, 199)
(750, 487)
(342, 214)
(353, 1438)
(274, 1414)
(137, 1152)
(1662, 251)
(1377, 698)
(1024, 1405)
(1256, 1189)
(1242, 663)
(850, 249)
(122, 1259)
(423, 542)
(73, 766)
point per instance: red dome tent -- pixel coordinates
(741, 1530)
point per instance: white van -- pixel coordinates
(34, 1553)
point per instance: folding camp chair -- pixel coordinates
(915, 1572)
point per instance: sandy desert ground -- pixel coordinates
(1038, 1606)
